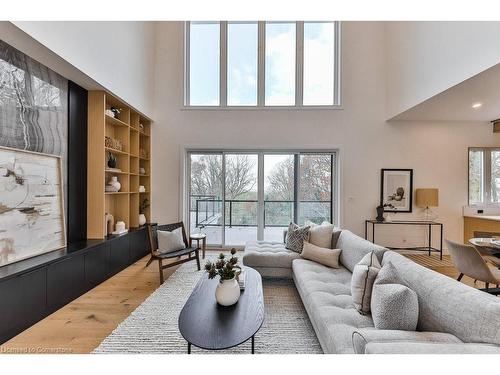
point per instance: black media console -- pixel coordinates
(33, 288)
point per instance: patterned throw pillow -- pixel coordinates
(295, 237)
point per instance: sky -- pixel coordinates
(279, 63)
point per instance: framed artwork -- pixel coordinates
(31, 205)
(396, 190)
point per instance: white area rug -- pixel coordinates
(152, 327)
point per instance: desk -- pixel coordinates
(429, 224)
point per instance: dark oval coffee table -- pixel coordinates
(207, 325)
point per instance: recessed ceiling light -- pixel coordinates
(477, 105)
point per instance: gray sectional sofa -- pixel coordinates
(453, 317)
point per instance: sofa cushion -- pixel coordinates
(393, 305)
(402, 347)
(363, 277)
(446, 305)
(295, 237)
(268, 254)
(325, 293)
(354, 248)
(325, 256)
(361, 337)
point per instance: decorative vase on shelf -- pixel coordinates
(142, 219)
(115, 183)
(227, 292)
(111, 160)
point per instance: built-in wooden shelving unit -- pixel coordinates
(133, 131)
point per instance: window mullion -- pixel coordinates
(299, 63)
(261, 64)
(223, 64)
(487, 176)
(187, 72)
(337, 62)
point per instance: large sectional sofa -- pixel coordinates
(453, 317)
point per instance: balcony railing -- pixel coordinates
(243, 213)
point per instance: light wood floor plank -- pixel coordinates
(81, 325)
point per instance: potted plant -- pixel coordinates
(228, 289)
(142, 209)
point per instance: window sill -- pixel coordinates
(266, 108)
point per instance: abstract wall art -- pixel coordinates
(31, 204)
(33, 105)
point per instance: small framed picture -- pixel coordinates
(396, 190)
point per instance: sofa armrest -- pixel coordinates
(405, 347)
(363, 336)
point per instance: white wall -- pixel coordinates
(436, 151)
(118, 55)
(426, 58)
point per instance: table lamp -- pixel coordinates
(426, 198)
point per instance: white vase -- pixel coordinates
(142, 219)
(115, 183)
(227, 292)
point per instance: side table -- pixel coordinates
(199, 237)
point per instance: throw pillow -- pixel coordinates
(325, 256)
(295, 237)
(363, 276)
(320, 235)
(393, 305)
(170, 241)
(324, 235)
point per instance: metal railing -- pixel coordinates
(208, 212)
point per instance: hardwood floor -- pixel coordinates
(81, 325)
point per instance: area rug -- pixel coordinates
(152, 327)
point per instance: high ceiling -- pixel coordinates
(455, 104)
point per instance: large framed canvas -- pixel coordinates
(396, 190)
(31, 204)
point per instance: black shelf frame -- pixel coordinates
(430, 224)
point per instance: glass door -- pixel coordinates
(235, 197)
(241, 198)
(205, 196)
(315, 188)
(279, 194)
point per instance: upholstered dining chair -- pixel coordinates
(469, 262)
(192, 253)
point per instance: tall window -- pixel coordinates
(484, 175)
(262, 64)
(204, 63)
(261, 192)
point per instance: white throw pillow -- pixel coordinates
(170, 241)
(322, 255)
(363, 277)
(320, 235)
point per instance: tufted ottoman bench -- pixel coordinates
(270, 259)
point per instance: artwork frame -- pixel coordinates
(396, 190)
(32, 211)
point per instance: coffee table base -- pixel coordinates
(253, 346)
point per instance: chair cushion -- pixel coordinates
(170, 241)
(268, 254)
(363, 277)
(325, 256)
(363, 336)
